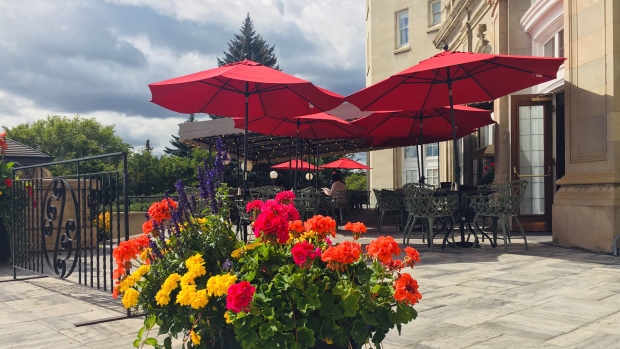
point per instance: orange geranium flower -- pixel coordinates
(383, 248)
(162, 210)
(321, 225)
(406, 290)
(341, 255)
(357, 228)
(147, 227)
(297, 227)
(413, 256)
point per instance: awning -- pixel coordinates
(488, 151)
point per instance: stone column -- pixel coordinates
(586, 209)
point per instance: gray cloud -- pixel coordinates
(97, 58)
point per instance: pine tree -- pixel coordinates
(249, 45)
(180, 149)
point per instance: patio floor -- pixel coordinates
(546, 297)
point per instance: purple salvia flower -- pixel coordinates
(227, 265)
(183, 203)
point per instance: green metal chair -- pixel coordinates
(431, 208)
(501, 206)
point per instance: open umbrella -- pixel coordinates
(295, 165)
(450, 78)
(345, 163)
(243, 89)
(432, 124)
(315, 126)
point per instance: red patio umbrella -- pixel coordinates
(450, 78)
(315, 126)
(432, 124)
(295, 165)
(243, 89)
(345, 163)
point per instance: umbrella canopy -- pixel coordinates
(346, 164)
(295, 165)
(243, 89)
(426, 126)
(434, 122)
(450, 78)
(315, 126)
(222, 91)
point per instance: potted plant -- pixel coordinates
(176, 272)
(296, 289)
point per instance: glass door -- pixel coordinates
(531, 158)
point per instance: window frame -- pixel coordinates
(427, 152)
(431, 13)
(400, 31)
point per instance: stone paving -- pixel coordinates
(546, 297)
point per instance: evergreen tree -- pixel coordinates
(249, 45)
(180, 149)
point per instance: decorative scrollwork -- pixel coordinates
(65, 232)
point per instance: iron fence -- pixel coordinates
(67, 226)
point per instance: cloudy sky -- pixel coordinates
(95, 58)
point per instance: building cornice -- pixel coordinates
(543, 19)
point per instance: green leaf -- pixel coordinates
(149, 321)
(136, 343)
(168, 343)
(350, 306)
(141, 332)
(359, 332)
(305, 337)
(151, 341)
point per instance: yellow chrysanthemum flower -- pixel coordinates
(195, 337)
(194, 260)
(227, 317)
(200, 299)
(186, 295)
(130, 298)
(219, 284)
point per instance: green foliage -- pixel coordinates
(151, 174)
(356, 181)
(180, 149)
(66, 138)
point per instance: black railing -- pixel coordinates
(68, 226)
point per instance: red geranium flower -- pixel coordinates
(8, 182)
(304, 253)
(240, 297)
(406, 290)
(413, 256)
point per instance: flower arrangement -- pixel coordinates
(297, 289)
(177, 272)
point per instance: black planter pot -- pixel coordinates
(5, 243)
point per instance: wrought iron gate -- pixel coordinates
(68, 226)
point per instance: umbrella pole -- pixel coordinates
(290, 162)
(457, 167)
(296, 159)
(421, 157)
(245, 143)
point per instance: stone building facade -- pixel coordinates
(563, 136)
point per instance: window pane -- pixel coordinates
(435, 12)
(403, 28)
(411, 176)
(550, 48)
(411, 152)
(561, 43)
(431, 150)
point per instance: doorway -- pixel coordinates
(532, 158)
